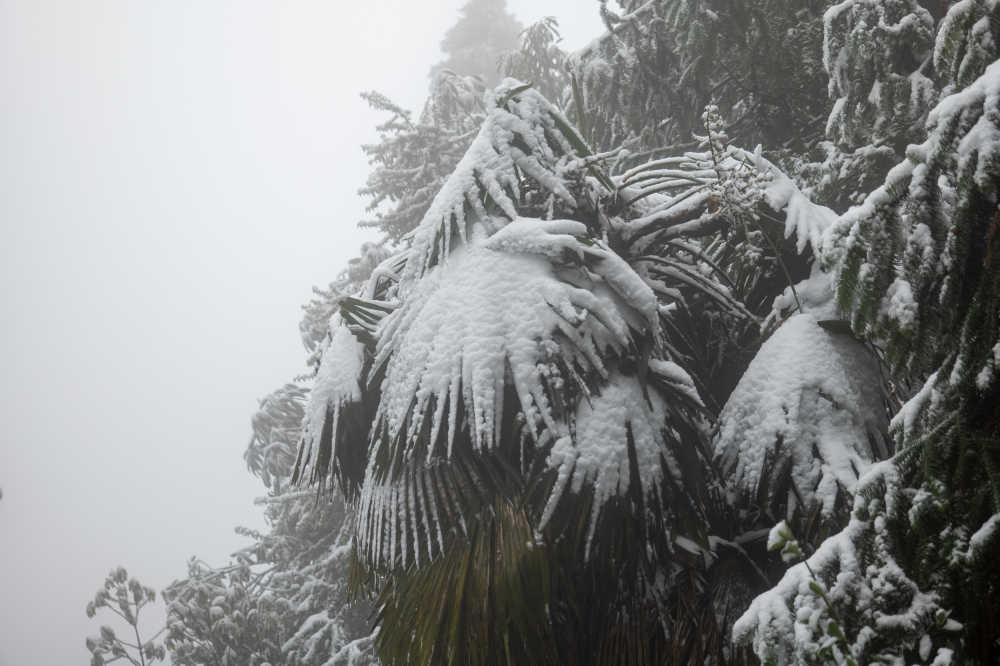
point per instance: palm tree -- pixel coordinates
(518, 403)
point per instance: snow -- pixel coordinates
(983, 92)
(899, 304)
(337, 380)
(944, 657)
(354, 652)
(807, 220)
(550, 238)
(814, 295)
(678, 378)
(456, 331)
(987, 374)
(780, 537)
(777, 535)
(809, 397)
(844, 231)
(833, 62)
(984, 534)
(961, 14)
(678, 188)
(905, 420)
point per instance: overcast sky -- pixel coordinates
(174, 177)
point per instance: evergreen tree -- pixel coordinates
(644, 83)
(914, 573)
(484, 32)
(878, 57)
(281, 600)
(539, 60)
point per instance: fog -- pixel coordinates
(174, 177)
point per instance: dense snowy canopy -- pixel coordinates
(607, 359)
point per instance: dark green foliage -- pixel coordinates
(644, 84)
(923, 239)
(854, 601)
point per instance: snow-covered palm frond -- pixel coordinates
(805, 220)
(337, 418)
(713, 233)
(520, 147)
(371, 276)
(531, 342)
(623, 442)
(502, 304)
(805, 421)
(691, 195)
(334, 427)
(492, 353)
(706, 227)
